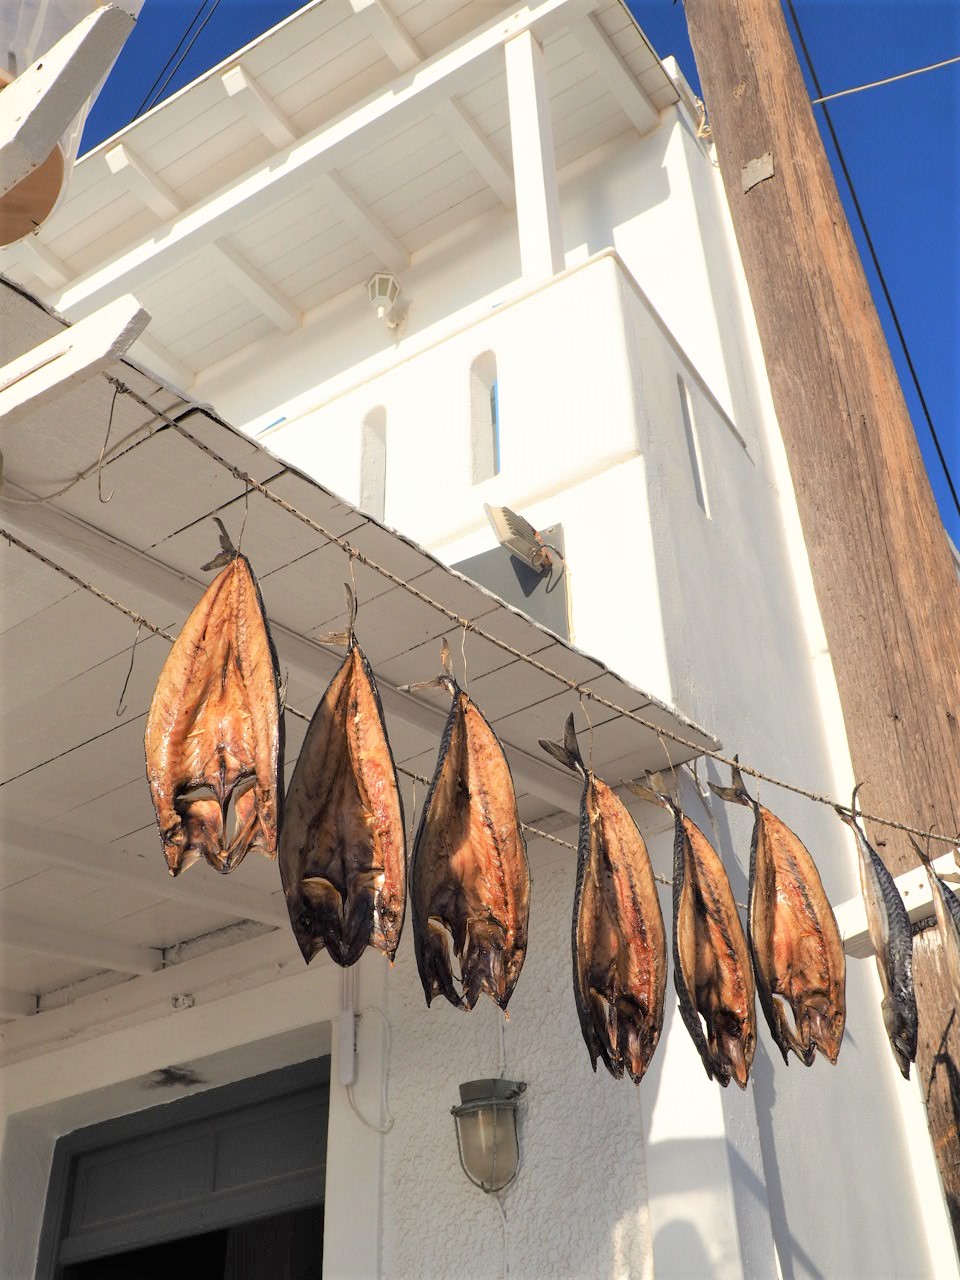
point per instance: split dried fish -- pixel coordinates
(619, 942)
(889, 928)
(946, 905)
(343, 844)
(469, 877)
(711, 960)
(214, 734)
(798, 957)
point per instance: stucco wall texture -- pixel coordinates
(579, 1207)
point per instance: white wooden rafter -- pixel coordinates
(112, 862)
(28, 934)
(534, 163)
(158, 196)
(616, 75)
(327, 147)
(72, 356)
(17, 1004)
(404, 53)
(263, 112)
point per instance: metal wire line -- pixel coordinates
(583, 690)
(875, 84)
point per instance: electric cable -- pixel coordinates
(874, 257)
(151, 98)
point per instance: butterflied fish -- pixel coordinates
(619, 942)
(214, 734)
(469, 877)
(711, 960)
(798, 957)
(946, 905)
(343, 844)
(889, 927)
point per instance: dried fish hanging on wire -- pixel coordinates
(794, 940)
(469, 876)
(711, 960)
(214, 732)
(343, 844)
(618, 940)
(946, 906)
(892, 939)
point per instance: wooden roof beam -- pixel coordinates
(116, 864)
(27, 934)
(263, 112)
(152, 191)
(404, 53)
(72, 356)
(326, 148)
(17, 1004)
(617, 76)
(257, 105)
(373, 231)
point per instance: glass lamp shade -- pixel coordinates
(486, 1121)
(384, 290)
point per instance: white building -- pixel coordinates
(576, 342)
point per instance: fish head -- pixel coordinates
(821, 1026)
(901, 1034)
(733, 1046)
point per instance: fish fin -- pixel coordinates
(351, 608)
(567, 752)
(445, 660)
(650, 790)
(227, 550)
(737, 793)
(342, 639)
(438, 682)
(924, 857)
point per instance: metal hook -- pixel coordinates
(106, 440)
(246, 512)
(583, 708)
(121, 706)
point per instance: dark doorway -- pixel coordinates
(227, 1183)
(288, 1246)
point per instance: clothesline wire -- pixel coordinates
(578, 687)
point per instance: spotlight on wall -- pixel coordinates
(486, 1122)
(520, 538)
(383, 290)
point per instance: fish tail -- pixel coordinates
(737, 793)
(568, 751)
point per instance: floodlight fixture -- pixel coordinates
(520, 538)
(383, 289)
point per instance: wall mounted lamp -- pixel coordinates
(520, 538)
(487, 1141)
(383, 289)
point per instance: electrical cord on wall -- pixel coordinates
(391, 1119)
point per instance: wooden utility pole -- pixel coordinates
(884, 577)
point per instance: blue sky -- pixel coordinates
(900, 143)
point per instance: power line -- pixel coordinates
(874, 258)
(875, 84)
(179, 62)
(179, 45)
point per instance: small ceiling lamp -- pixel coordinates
(486, 1122)
(383, 290)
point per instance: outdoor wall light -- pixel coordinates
(384, 293)
(486, 1122)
